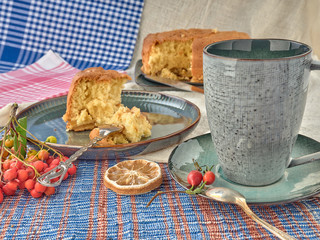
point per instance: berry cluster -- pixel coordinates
(197, 180)
(19, 174)
(19, 167)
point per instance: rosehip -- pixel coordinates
(209, 177)
(194, 178)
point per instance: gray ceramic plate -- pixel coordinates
(297, 183)
(174, 118)
(151, 85)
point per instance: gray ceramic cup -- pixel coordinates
(255, 94)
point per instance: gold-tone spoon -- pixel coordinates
(231, 196)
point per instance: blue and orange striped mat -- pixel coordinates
(82, 208)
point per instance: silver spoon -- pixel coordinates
(231, 196)
(62, 168)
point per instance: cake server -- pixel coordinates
(61, 170)
(174, 83)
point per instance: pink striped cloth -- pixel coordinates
(49, 77)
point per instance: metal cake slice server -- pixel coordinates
(227, 195)
(174, 83)
(62, 168)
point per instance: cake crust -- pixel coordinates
(93, 75)
(196, 38)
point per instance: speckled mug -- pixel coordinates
(255, 94)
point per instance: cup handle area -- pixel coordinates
(304, 159)
(315, 65)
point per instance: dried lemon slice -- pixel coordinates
(133, 177)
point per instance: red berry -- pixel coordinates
(39, 188)
(29, 184)
(13, 185)
(43, 154)
(49, 191)
(45, 165)
(16, 163)
(6, 164)
(49, 168)
(21, 185)
(5, 153)
(1, 196)
(55, 179)
(9, 142)
(7, 191)
(22, 175)
(65, 176)
(194, 178)
(49, 160)
(10, 174)
(55, 161)
(35, 194)
(72, 170)
(32, 158)
(38, 165)
(31, 172)
(209, 177)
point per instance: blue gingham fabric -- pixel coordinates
(84, 33)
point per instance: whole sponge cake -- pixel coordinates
(177, 54)
(94, 96)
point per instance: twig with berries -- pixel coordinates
(20, 167)
(197, 179)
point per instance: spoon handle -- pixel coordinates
(277, 232)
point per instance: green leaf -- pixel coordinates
(20, 141)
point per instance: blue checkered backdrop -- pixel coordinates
(84, 33)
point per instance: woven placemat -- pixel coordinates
(82, 208)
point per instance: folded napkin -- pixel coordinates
(49, 77)
(85, 33)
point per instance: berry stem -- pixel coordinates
(162, 192)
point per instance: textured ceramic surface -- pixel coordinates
(149, 85)
(176, 118)
(297, 182)
(255, 93)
